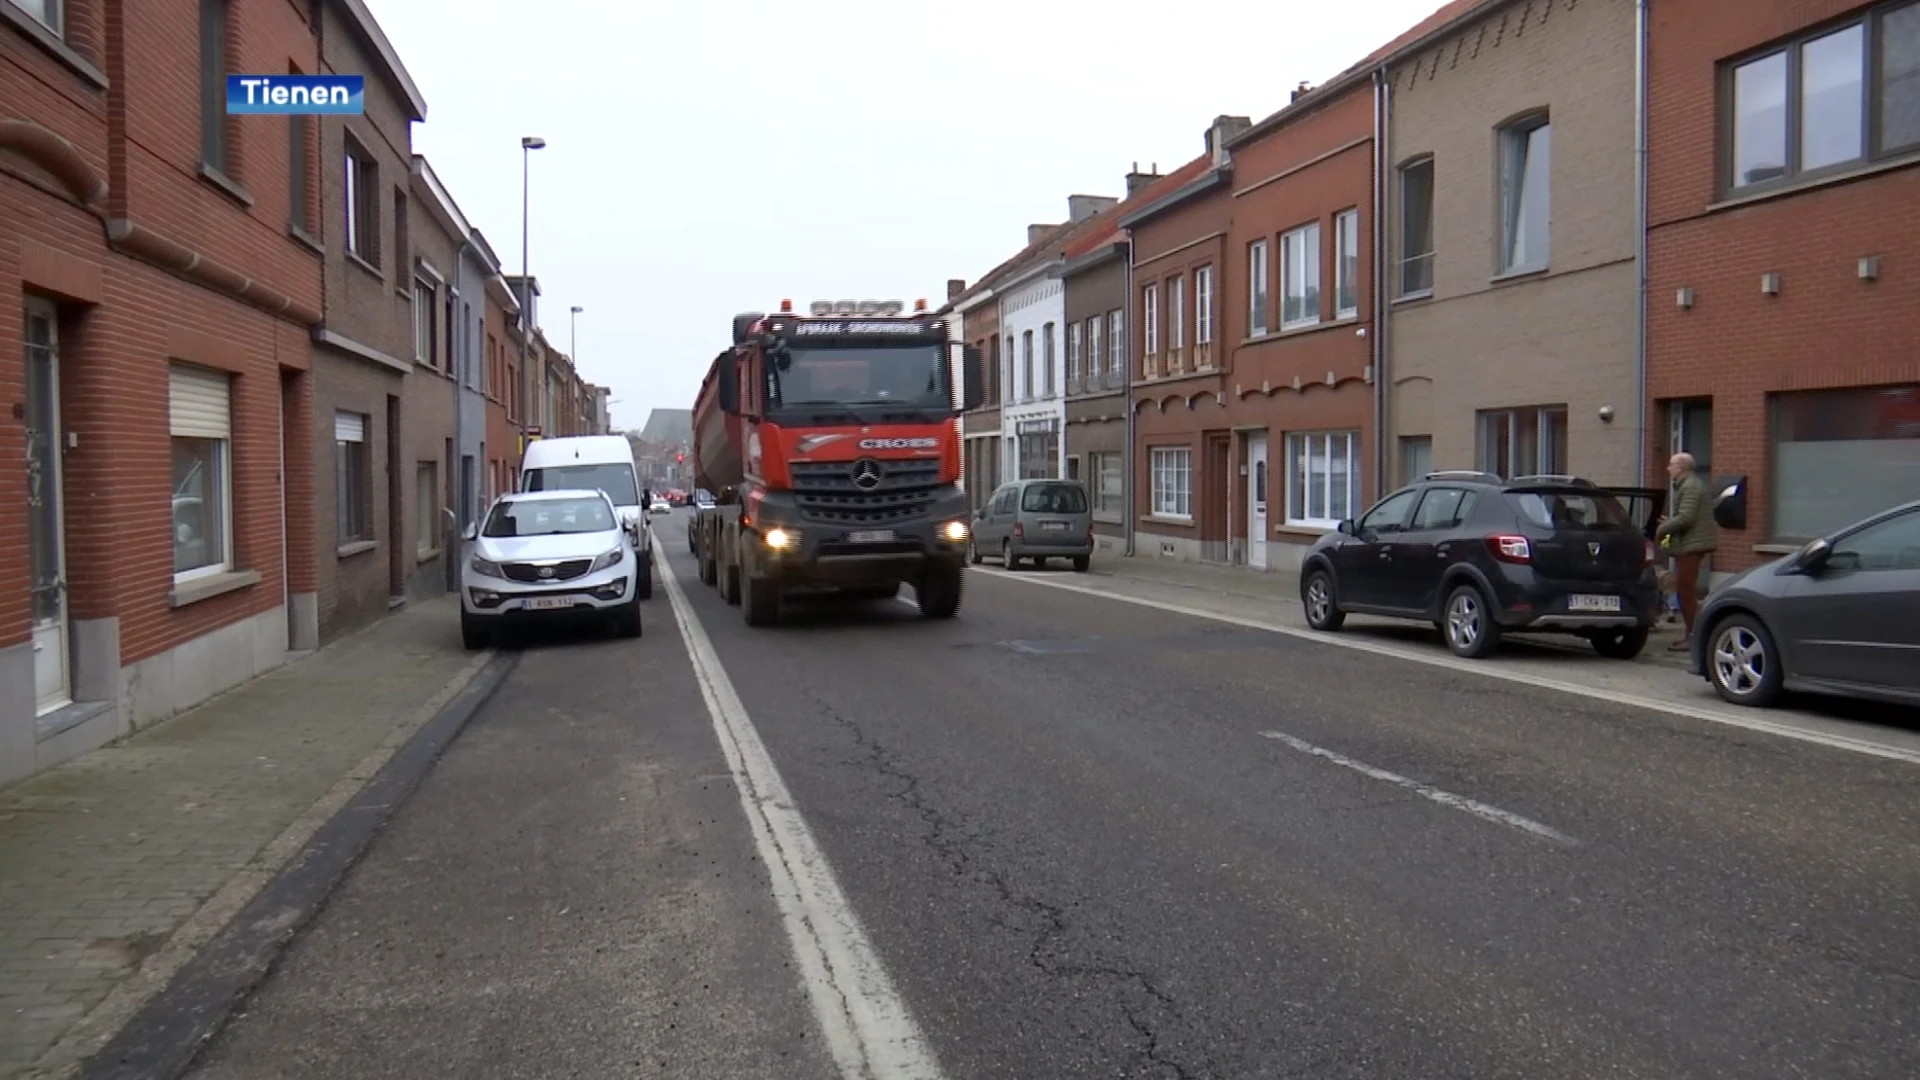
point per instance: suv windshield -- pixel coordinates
(1054, 499)
(548, 517)
(613, 478)
(1575, 510)
(906, 376)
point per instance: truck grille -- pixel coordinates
(530, 572)
(864, 492)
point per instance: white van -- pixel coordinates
(594, 463)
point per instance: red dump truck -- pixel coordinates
(829, 443)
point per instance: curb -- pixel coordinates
(165, 1037)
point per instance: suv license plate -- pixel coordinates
(870, 536)
(1593, 603)
(547, 603)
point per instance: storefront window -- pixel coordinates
(1841, 455)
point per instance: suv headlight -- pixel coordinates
(611, 558)
(485, 567)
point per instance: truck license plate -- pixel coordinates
(547, 603)
(870, 536)
(1579, 602)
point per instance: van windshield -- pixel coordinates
(1054, 499)
(614, 478)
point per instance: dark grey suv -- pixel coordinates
(1479, 556)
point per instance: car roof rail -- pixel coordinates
(1554, 478)
(1465, 474)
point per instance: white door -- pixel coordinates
(46, 526)
(1257, 501)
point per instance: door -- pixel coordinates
(1257, 501)
(1852, 620)
(46, 523)
(1424, 551)
(1365, 563)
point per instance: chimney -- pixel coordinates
(1082, 207)
(1301, 91)
(1137, 181)
(956, 286)
(1035, 233)
(1223, 130)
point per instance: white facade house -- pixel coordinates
(1033, 416)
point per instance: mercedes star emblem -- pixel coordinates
(866, 474)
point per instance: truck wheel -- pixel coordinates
(939, 593)
(759, 600)
(730, 587)
(643, 581)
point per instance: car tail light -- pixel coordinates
(1510, 549)
(1089, 534)
(1651, 555)
(1018, 532)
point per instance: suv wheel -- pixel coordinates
(1742, 663)
(1619, 644)
(1469, 627)
(1317, 597)
(973, 552)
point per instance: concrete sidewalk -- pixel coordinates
(117, 866)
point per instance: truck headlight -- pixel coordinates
(778, 539)
(485, 567)
(955, 531)
(611, 558)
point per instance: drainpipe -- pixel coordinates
(1641, 37)
(1126, 382)
(455, 526)
(1382, 287)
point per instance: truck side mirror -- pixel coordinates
(729, 388)
(973, 385)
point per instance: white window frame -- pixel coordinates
(424, 308)
(1300, 266)
(1026, 365)
(1049, 385)
(1305, 449)
(1257, 298)
(1073, 357)
(1177, 312)
(351, 428)
(192, 392)
(1203, 306)
(1346, 264)
(1150, 319)
(1544, 417)
(49, 15)
(426, 510)
(1096, 353)
(1170, 482)
(1516, 171)
(1117, 343)
(1097, 474)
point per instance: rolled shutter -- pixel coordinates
(349, 427)
(199, 401)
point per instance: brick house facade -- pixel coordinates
(1800, 254)
(164, 385)
(430, 454)
(501, 314)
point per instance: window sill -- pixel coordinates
(1304, 529)
(1302, 330)
(226, 185)
(305, 239)
(194, 590)
(1516, 274)
(1797, 186)
(356, 547)
(355, 258)
(1167, 519)
(51, 43)
(1413, 297)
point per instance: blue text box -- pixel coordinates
(296, 95)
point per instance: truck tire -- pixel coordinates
(939, 593)
(730, 583)
(709, 570)
(759, 600)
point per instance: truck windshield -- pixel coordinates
(616, 479)
(904, 376)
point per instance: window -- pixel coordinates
(352, 478)
(1443, 508)
(1842, 455)
(1105, 472)
(1893, 544)
(44, 12)
(1012, 383)
(1026, 365)
(426, 508)
(1524, 442)
(1300, 277)
(362, 193)
(1526, 160)
(1150, 316)
(1039, 452)
(1095, 353)
(1389, 515)
(1073, 357)
(1203, 306)
(1116, 344)
(1346, 264)
(213, 85)
(1416, 228)
(1046, 360)
(425, 340)
(1054, 499)
(1416, 457)
(1256, 288)
(1176, 313)
(1846, 95)
(199, 406)
(1322, 478)
(1171, 481)
(453, 336)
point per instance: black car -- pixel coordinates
(1479, 556)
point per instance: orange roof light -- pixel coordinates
(920, 305)
(786, 307)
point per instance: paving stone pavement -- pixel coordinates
(137, 852)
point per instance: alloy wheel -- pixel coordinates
(1464, 620)
(1739, 660)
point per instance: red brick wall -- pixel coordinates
(503, 436)
(1826, 328)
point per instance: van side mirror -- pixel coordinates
(973, 375)
(729, 388)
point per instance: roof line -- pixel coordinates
(1211, 179)
(369, 27)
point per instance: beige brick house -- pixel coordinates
(1512, 336)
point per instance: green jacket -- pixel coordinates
(1691, 524)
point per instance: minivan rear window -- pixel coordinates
(616, 479)
(1579, 511)
(1054, 499)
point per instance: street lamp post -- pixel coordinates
(528, 144)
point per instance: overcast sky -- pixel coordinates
(706, 159)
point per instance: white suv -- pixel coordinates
(549, 556)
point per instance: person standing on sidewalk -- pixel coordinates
(1691, 535)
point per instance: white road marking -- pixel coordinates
(1468, 667)
(867, 1026)
(1444, 798)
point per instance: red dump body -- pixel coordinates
(716, 438)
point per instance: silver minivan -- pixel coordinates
(1037, 520)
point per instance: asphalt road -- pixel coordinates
(1089, 839)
